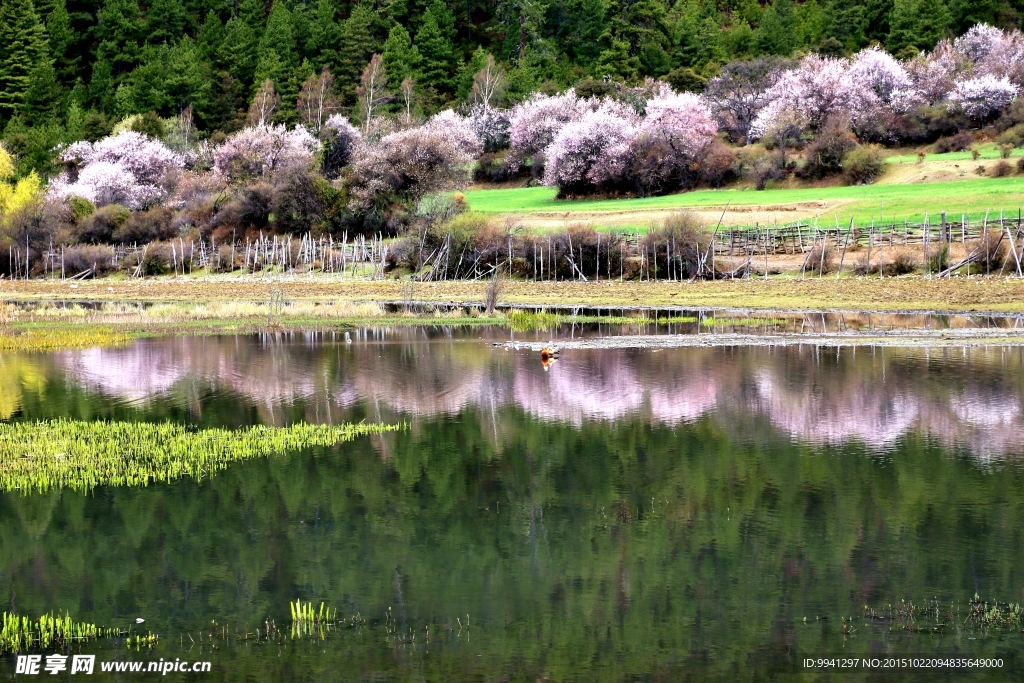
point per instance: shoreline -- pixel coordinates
(903, 339)
(906, 294)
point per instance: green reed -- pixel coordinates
(49, 631)
(62, 453)
(56, 339)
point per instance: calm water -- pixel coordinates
(618, 516)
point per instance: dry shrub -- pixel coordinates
(1005, 150)
(493, 293)
(80, 258)
(1001, 169)
(1020, 165)
(718, 165)
(143, 227)
(826, 153)
(901, 263)
(991, 249)
(956, 143)
(684, 238)
(818, 263)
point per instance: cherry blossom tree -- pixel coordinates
(128, 168)
(739, 93)
(534, 123)
(258, 151)
(592, 152)
(341, 139)
(406, 165)
(491, 127)
(880, 72)
(982, 97)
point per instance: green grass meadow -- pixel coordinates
(880, 203)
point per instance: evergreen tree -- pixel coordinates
(101, 87)
(119, 31)
(324, 36)
(44, 97)
(917, 23)
(354, 53)
(238, 51)
(617, 62)
(188, 81)
(278, 36)
(58, 27)
(400, 57)
(210, 37)
(23, 47)
(252, 12)
(778, 32)
(579, 32)
(436, 53)
(165, 21)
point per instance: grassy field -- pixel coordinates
(908, 293)
(881, 202)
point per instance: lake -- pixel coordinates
(617, 515)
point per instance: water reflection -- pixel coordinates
(969, 398)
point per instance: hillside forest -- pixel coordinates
(138, 123)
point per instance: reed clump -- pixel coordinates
(62, 338)
(80, 455)
(19, 633)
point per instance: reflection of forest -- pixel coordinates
(599, 553)
(971, 398)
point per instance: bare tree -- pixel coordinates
(488, 83)
(263, 106)
(371, 90)
(316, 100)
(739, 93)
(408, 90)
(188, 125)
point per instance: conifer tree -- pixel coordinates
(917, 23)
(238, 51)
(44, 96)
(436, 53)
(210, 37)
(324, 36)
(400, 57)
(165, 21)
(354, 53)
(23, 47)
(58, 28)
(119, 31)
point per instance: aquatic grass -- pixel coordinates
(56, 339)
(308, 621)
(80, 455)
(49, 631)
(526, 321)
(713, 322)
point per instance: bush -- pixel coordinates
(820, 260)
(960, 142)
(718, 165)
(864, 165)
(1001, 169)
(1020, 165)
(100, 226)
(143, 227)
(1012, 136)
(902, 263)
(683, 234)
(1005, 150)
(975, 154)
(80, 207)
(340, 141)
(80, 258)
(491, 168)
(826, 152)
